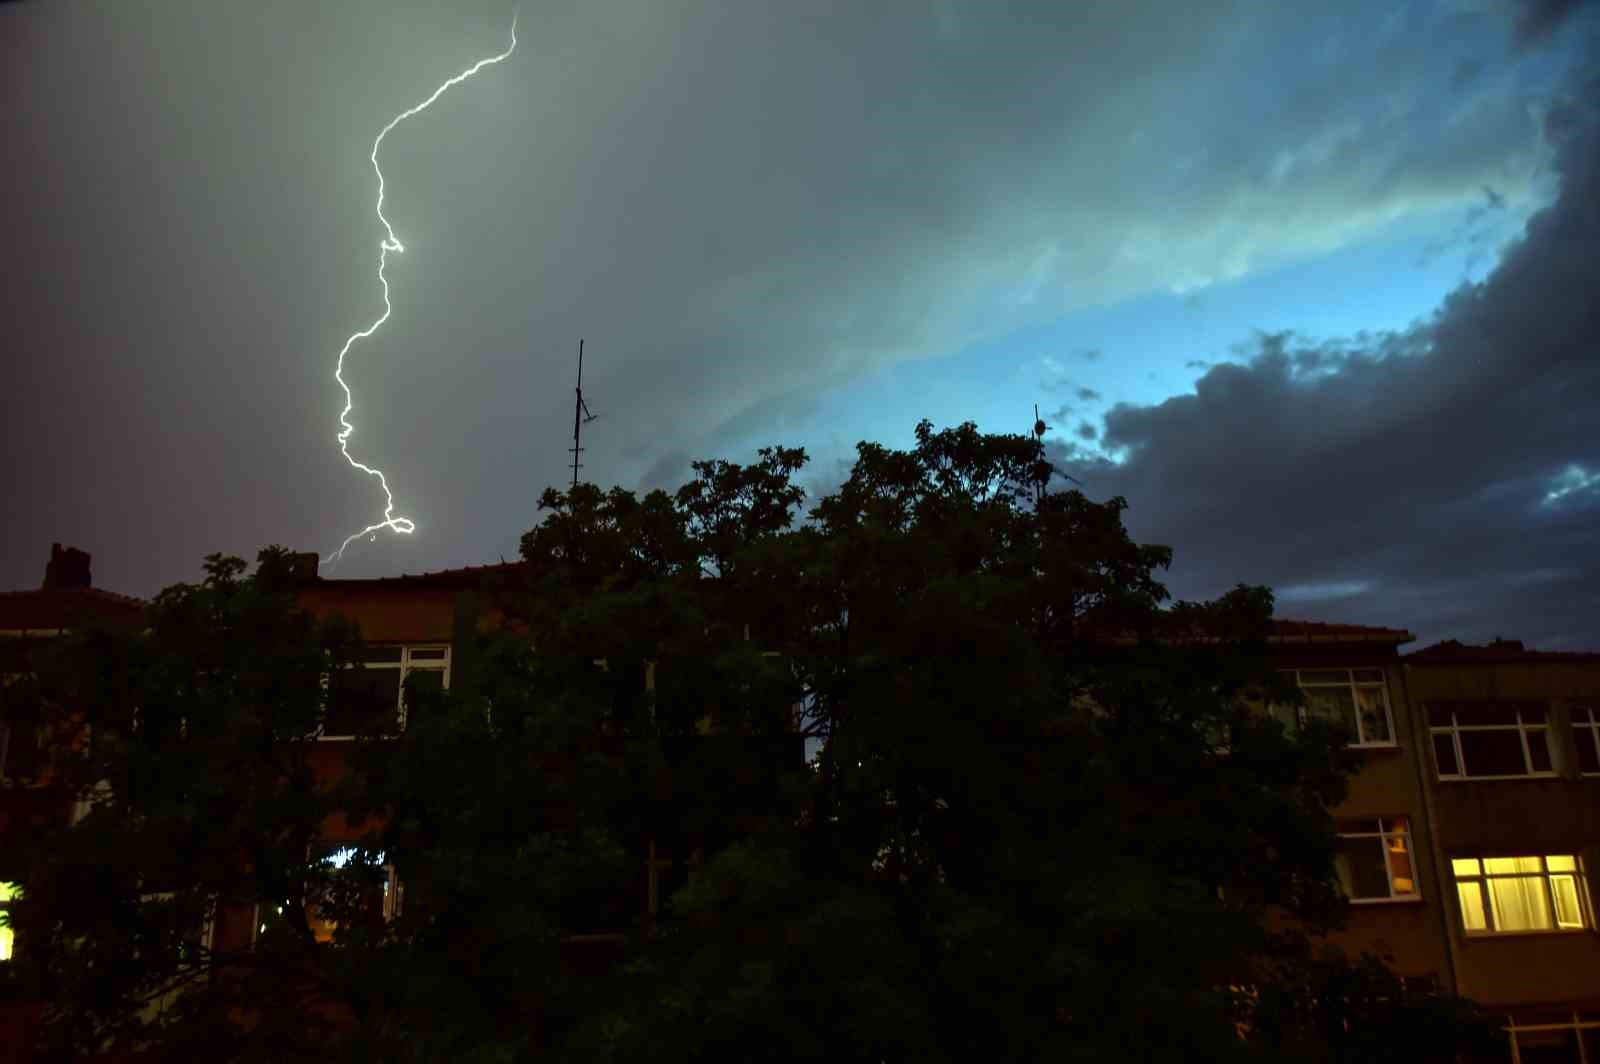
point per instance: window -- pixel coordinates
(1373, 861)
(352, 879)
(186, 922)
(1355, 699)
(1500, 895)
(366, 698)
(1586, 738)
(8, 938)
(21, 754)
(1551, 1036)
(1489, 740)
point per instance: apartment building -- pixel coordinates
(1353, 675)
(1467, 840)
(65, 599)
(1510, 741)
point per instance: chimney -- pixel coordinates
(303, 566)
(68, 569)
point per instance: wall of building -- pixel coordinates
(1408, 934)
(1515, 817)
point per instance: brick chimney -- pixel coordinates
(68, 569)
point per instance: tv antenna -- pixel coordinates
(580, 418)
(1044, 470)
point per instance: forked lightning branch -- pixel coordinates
(390, 242)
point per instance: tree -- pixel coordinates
(1042, 824)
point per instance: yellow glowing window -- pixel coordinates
(9, 892)
(1501, 895)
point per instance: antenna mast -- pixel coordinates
(580, 418)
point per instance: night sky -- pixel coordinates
(1315, 292)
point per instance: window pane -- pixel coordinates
(362, 700)
(23, 758)
(1325, 676)
(1588, 752)
(1547, 1047)
(1360, 867)
(1562, 863)
(1539, 749)
(1374, 715)
(1368, 675)
(1493, 753)
(1520, 904)
(1471, 906)
(1512, 865)
(1480, 713)
(1568, 912)
(425, 679)
(427, 653)
(1466, 866)
(1334, 704)
(1444, 753)
(1404, 879)
(1288, 716)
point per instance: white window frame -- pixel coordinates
(1577, 1026)
(406, 664)
(1586, 729)
(1353, 686)
(1481, 880)
(1382, 837)
(208, 922)
(1454, 730)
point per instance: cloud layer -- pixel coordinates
(1442, 479)
(739, 206)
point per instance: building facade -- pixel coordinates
(1469, 838)
(1510, 747)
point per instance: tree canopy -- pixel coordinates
(1040, 824)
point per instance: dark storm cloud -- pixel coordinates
(1445, 479)
(739, 206)
(1540, 18)
(1087, 395)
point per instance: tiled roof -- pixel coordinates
(50, 610)
(1288, 631)
(1451, 652)
(467, 576)
(1283, 631)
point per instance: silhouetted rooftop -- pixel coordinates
(1500, 650)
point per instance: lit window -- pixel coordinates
(379, 898)
(1357, 700)
(1499, 895)
(1374, 861)
(9, 892)
(368, 698)
(1490, 740)
(1586, 738)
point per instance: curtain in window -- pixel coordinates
(1520, 903)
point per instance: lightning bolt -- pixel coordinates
(390, 242)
